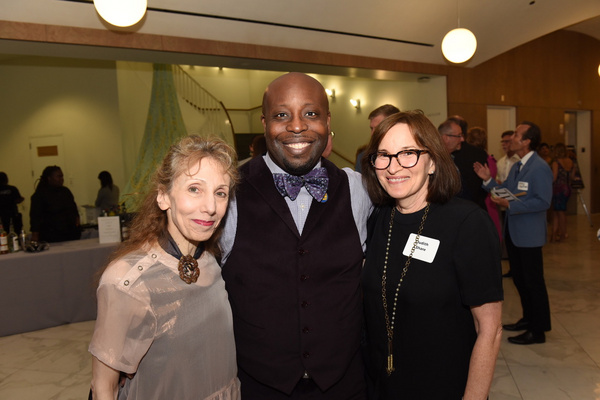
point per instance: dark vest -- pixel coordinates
(296, 300)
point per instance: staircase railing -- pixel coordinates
(216, 119)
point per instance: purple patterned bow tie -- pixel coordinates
(315, 181)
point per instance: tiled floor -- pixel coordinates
(53, 364)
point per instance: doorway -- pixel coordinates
(45, 151)
(499, 119)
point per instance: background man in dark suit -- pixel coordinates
(293, 247)
(454, 133)
(525, 233)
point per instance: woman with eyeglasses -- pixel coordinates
(432, 277)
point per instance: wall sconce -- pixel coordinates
(459, 44)
(598, 69)
(355, 103)
(121, 13)
(330, 93)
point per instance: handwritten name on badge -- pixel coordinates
(425, 250)
(523, 185)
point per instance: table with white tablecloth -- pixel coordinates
(52, 287)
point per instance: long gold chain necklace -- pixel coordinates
(389, 325)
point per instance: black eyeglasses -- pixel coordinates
(454, 136)
(406, 158)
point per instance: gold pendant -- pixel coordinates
(390, 359)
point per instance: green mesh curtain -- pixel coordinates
(164, 126)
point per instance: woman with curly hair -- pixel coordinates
(164, 328)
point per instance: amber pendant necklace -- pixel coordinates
(188, 269)
(188, 265)
(389, 322)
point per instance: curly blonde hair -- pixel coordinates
(150, 222)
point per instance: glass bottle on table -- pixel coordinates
(3, 240)
(13, 241)
(22, 239)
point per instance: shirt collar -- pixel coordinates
(526, 157)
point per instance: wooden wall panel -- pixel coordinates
(542, 79)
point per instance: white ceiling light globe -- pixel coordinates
(121, 12)
(459, 45)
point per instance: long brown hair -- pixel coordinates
(150, 222)
(443, 184)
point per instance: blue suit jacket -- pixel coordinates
(526, 217)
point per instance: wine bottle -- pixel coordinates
(3, 240)
(13, 241)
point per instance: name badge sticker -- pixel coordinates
(425, 250)
(523, 185)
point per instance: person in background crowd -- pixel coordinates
(293, 249)
(108, 195)
(525, 235)
(545, 152)
(454, 133)
(54, 215)
(562, 170)
(164, 323)
(477, 137)
(258, 147)
(375, 118)
(432, 277)
(9, 198)
(504, 165)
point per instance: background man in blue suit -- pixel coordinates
(525, 233)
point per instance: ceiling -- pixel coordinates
(376, 28)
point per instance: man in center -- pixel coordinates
(293, 248)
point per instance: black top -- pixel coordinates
(471, 183)
(434, 331)
(54, 214)
(9, 197)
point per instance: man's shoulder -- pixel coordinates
(469, 153)
(539, 163)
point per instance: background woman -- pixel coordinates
(562, 170)
(163, 314)
(54, 215)
(108, 195)
(477, 136)
(432, 277)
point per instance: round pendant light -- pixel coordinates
(459, 45)
(121, 12)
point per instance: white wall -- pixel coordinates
(76, 99)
